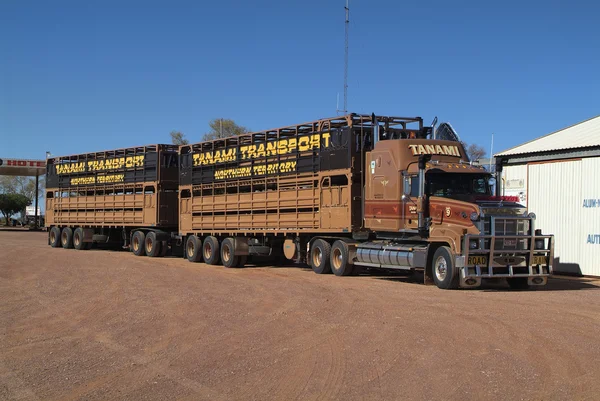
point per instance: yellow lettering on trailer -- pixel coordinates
(271, 148)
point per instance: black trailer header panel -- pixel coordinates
(121, 166)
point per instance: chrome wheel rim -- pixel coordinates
(207, 251)
(226, 256)
(317, 256)
(136, 243)
(337, 258)
(190, 249)
(441, 268)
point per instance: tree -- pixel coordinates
(178, 138)
(12, 203)
(22, 185)
(223, 128)
(474, 152)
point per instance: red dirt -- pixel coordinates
(100, 325)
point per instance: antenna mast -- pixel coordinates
(346, 26)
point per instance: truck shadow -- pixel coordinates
(555, 283)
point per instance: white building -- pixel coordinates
(557, 177)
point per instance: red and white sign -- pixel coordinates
(23, 167)
(22, 163)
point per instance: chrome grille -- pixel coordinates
(508, 226)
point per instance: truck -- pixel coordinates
(123, 196)
(353, 193)
(345, 195)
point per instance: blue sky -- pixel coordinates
(89, 76)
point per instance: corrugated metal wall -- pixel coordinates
(590, 217)
(554, 193)
(565, 196)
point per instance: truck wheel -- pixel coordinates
(151, 245)
(193, 249)
(164, 247)
(54, 236)
(228, 253)
(518, 283)
(319, 257)
(137, 243)
(78, 239)
(66, 238)
(210, 251)
(339, 259)
(445, 274)
(242, 259)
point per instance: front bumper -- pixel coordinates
(488, 262)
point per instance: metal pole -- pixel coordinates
(347, 23)
(37, 195)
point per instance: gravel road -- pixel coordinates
(102, 325)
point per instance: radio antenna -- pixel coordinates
(346, 28)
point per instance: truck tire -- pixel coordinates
(445, 273)
(518, 283)
(319, 257)
(54, 237)
(164, 247)
(210, 251)
(228, 253)
(339, 259)
(151, 245)
(137, 243)
(66, 238)
(193, 249)
(78, 239)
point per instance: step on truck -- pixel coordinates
(124, 197)
(353, 193)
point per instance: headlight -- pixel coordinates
(531, 215)
(474, 216)
(473, 244)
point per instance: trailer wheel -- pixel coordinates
(242, 259)
(78, 239)
(164, 247)
(445, 273)
(339, 259)
(193, 249)
(54, 236)
(137, 243)
(228, 253)
(518, 283)
(66, 238)
(210, 251)
(319, 257)
(151, 245)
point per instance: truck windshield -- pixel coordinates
(461, 186)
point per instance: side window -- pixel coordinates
(414, 186)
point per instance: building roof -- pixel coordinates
(582, 135)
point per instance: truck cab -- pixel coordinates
(424, 197)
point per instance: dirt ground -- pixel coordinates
(102, 325)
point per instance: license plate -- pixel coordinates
(539, 260)
(477, 260)
(510, 242)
